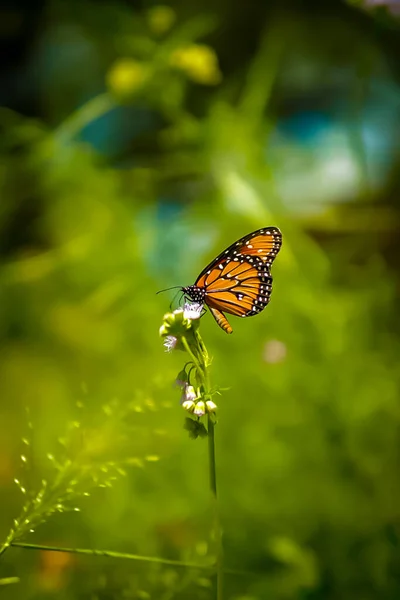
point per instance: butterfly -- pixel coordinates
(239, 280)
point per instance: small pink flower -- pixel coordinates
(192, 311)
(189, 394)
(191, 401)
(170, 343)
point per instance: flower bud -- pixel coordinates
(211, 406)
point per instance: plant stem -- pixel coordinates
(87, 113)
(128, 556)
(211, 456)
(8, 541)
(217, 524)
(191, 354)
(111, 554)
(201, 361)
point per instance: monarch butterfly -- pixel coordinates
(239, 280)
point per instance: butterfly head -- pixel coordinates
(194, 293)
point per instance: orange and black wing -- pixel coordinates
(239, 280)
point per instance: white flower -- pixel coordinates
(200, 409)
(188, 405)
(170, 343)
(189, 394)
(191, 401)
(192, 311)
(211, 406)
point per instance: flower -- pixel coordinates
(191, 401)
(188, 405)
(211, 406)
(170, 343)
(182, 321)
(189, 394)
(192, 311)
(175, 324)
(199, 409)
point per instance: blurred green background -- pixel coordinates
(137, 141)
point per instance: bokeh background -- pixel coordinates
(137, 141)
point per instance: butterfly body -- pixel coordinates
(239, 280)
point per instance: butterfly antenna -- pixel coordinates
(171, 288)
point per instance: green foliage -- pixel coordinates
(308, 427)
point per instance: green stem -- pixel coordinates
(189, 351)
(8, 541)
(93, 109)
(202, 364)
(200, 367)
(217, 524)
(211, 456)
(204, 360)
(128, 556)
(111, 554)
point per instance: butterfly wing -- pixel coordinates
(239, 281)
(264, 243)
